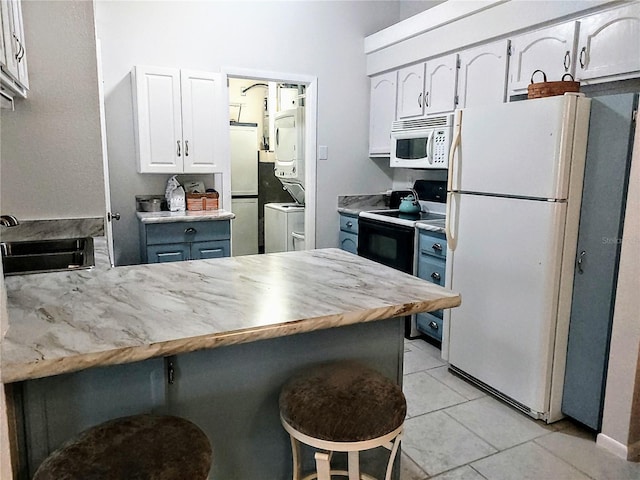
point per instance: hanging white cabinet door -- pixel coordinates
(382, 112)
(608, 45)
(14, 60)
(177, 122)
(440, 85)
(551, 50)
(411, 91)
(482, 76)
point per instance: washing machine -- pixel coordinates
(283, 227)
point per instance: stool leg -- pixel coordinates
(322, 465)
(295, 450)
(354, 466)
(392, 456)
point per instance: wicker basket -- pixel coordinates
(550, 89)
(202, 201)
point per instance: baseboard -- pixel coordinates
(615, 447)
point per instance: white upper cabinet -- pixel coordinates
(482, 76)
(440, 85)
(13, 59)
(411, 91)
(609, 44)
(382, 112)
(551, 50)
(177, 122)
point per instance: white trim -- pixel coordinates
(430, 19)
(613, 446)
(311, 120)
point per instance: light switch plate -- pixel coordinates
(323, 152)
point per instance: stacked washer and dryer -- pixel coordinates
(284, 222)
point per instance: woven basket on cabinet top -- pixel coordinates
(550, 89)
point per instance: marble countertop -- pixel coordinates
(68, 321)
(185, 216)
(432, 226)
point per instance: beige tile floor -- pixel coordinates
(454, 431)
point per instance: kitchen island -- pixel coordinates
(210, 340)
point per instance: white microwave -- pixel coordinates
(421, 142)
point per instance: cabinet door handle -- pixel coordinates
(426, 99)
(349, 224)
(583, 57)
(580, 260)
(420, 100)
(178, 142)
(435, 276)
(567, 61)
(433, 325)
(186, 148)
(171, 372)
(190, 230)
(437, 247)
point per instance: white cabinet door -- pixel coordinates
(382, 112)
(411, 91)
(609, 44)
(158, 122)
(482, 77)
(551, 50)
(3, 29)
(11, 42)
(18, 30)
(201, 105)
(440, 85)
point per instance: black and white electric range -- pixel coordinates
(389, 236)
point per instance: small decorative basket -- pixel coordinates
(202, 201)
(550, 89)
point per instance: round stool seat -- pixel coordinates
(139, 447)
(343, 402)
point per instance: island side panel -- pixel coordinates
(232, 392)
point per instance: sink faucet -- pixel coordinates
(9, 221)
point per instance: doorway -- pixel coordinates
(272, 187)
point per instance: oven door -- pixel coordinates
(386, 243)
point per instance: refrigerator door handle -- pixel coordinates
(452, 241)
(455, 143)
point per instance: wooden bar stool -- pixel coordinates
(342, 407)
(139, 447)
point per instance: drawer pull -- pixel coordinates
(190, 231)
(349, 224)
(433, 325)
(437, 247)
(435, 276)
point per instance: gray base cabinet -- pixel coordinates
(349, 233)
(230, 392)
(178, 241)
(432, 253)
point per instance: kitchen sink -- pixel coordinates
(20, 258)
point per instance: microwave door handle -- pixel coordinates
(430, 147)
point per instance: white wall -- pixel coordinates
(51, 156)
(318, 38)
(621, 415)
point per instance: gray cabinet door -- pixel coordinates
(601, 220)
(57, 408)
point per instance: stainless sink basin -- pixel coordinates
(20, 258)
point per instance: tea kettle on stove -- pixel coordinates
(410, 204)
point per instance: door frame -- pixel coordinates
(310, 137)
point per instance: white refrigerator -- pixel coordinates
(515, 186)
(244, 188)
